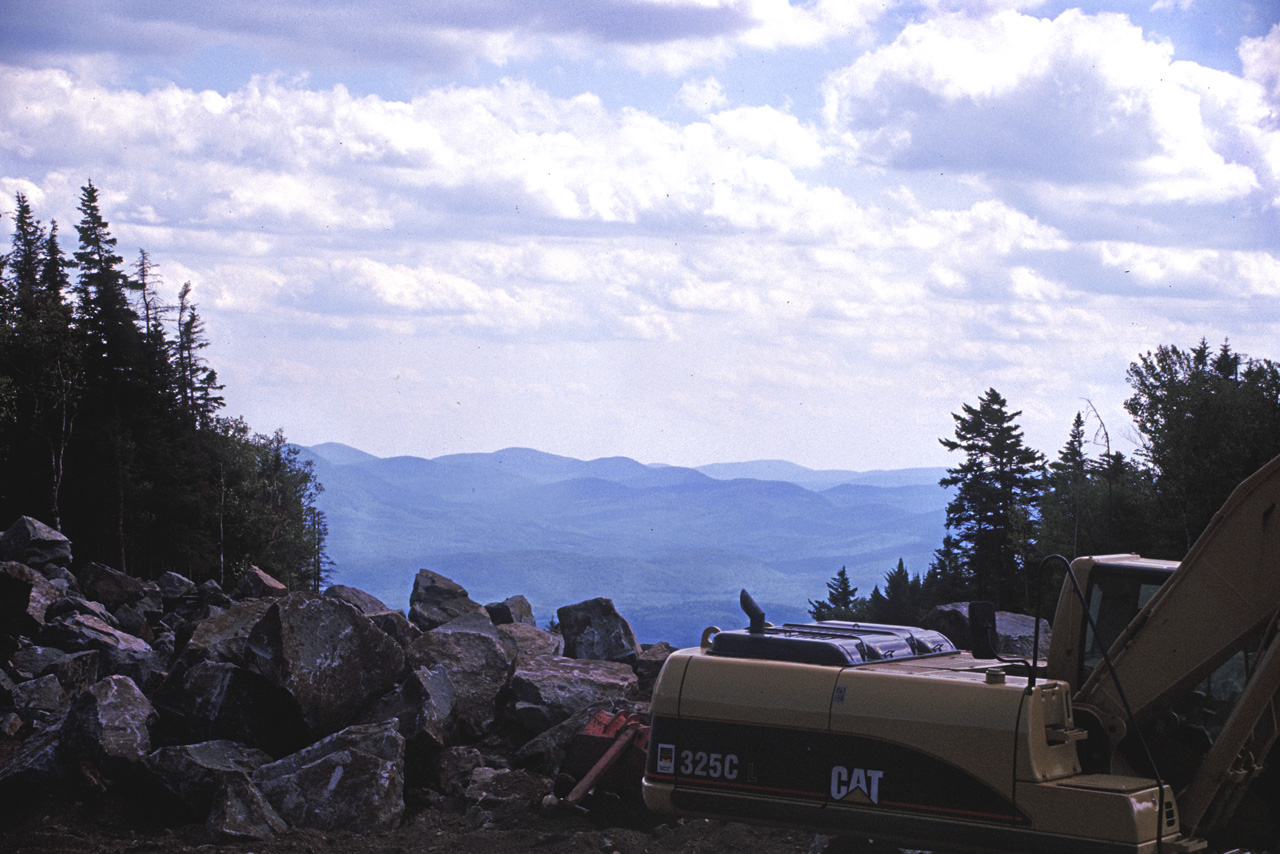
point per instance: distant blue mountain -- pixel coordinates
(670, 545)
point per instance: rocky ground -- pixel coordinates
(168, 716)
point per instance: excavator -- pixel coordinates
(1143, 729)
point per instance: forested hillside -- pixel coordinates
(109, 420)
(1206, 419)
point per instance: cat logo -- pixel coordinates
(855, 785)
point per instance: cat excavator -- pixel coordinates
(1144, 729)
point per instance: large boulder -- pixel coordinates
(34, 543)
(192, 772)
(219, 700)
(594, 629)
(365, 603)
(325, 653)
(175, 589)
(121, 652)
(423, 705)
(550, 688)
(241, 812)
(649, 665)
(479, 660)
(513, 609)
(109, 729)
(353, 780)
(531, 641)
(111, 587)
(1015, 633)
(223, 636)
(256, 584)
(25, 598)
(41, 698)
(437, 600)
(38, 765)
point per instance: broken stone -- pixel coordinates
(240, 812)
(437, 600)
(175, 587)
(531, 641)
(110, 726)
(514, 609)
(36, 767)
(1015, 633)
(121, 652)
(109, 586)
(549, 689)
(211, 592)
(352, 780)
(35, 544)
(325, 653)
(479, 660)
(219, 700)
(455, 767)
(80, 605)
(25, 598)
(44, 695)
(365, 603)
(223, 636)
(649, 665)
(593, 629)
(397, 625)
(192, 772)
(129, 618)
(255, 584)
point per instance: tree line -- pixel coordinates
(1206, 419)
(110, 424)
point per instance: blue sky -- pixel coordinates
(685, 231)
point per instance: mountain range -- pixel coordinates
(671, 546)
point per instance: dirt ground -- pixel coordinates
(112, 826)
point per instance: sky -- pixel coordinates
(683, 231)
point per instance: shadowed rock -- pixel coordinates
(531, 641)
(255, 584)
(25, 598)
(192, 772)
(594, 629)
(353, 780)
(437, 600)
(109, 586)
(1015, 635)
(479, 660)
(549, 689)
(35, 544)
(109, 729)
(328, 655)
(513, 609)
(240, 812)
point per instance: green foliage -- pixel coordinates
(1208, 420)
(902, 600)
(109, 428)
(842, 602)
(993, 511)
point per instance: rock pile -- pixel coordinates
(266, 709)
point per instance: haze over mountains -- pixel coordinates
(671, 546)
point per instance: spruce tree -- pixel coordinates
(992, 513)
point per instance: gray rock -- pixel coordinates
(1015, 633)
(256, 584)
(514, 609)
(222, 637)
(130, 618)
(192, 772)
(550, 689)
(109, 586)
(396, 625)
(43, 695)
(240, 812)
(353, 780)
(437, 600)
(365, 603)
(25, 598)
(33, 661)
(109, 726)
(546, 751)
(37, 766)
(219, 700)
(594, 629)
(423, 706)
(504, 788)
(531, 641)
(211, 593)
(34, 543)
(455, 767)
(328, 655)
(78, 672)
(121, 652)
(479, 660)
(649, 665)
(79, 605)
(175, 587)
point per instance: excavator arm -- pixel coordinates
(1216, 613)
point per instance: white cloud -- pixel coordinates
(702, 96)
(1086, 102)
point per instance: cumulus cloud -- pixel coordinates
(1084, 102)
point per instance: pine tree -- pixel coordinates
(900, 604)
(842, 602)
(992, 512)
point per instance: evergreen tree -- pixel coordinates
(1207, 422)
(992, 512)
(948, 577)
(842, 602)
(901, 602)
